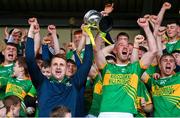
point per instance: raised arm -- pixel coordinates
(108, 49)
(98, 53)
(33, 69)
(37, 40)
(52, 30)
(161, 13)
(148, 57)
(36, 36)
(137, 40)
(81, 75)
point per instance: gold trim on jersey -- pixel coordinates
(142, 65)
(98, 88)
(15, 90)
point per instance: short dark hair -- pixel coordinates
(165, 55)
(63, 49)
(122, 34)
(59, 111)
(12, 44)
(77, 32)
(59, 56)
(142, 48)
(71, 61)
(45, 64)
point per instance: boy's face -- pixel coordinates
(18, 70)
(46, 71)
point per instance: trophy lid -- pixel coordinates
(92, 17)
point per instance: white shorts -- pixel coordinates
(115, 115)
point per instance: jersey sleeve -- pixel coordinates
(32, 91)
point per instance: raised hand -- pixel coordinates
(83, 26)
(143, 102)
(32, 20)
(161, 30)
(52, 29)
(109, 8)
(156, 76)
(154, 19)
(142, 22)
(36, 28)
(46, 40)
(166, 5)
(71, 46)
(147, 17)
(139, 39)
(6, 34)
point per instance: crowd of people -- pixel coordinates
(38, 78)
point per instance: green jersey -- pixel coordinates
(120, 87)
(3, 83)
(96, 101)
(6, 70)
(142, 93)
(166, 95)
(171, 46)
(20, 88)
(69, 54)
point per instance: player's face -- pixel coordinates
(10, 53)
(167, 65)
(172, 30)
(71, 69)
(122, 50)
(77, 38)
(58, 68)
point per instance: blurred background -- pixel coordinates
(68, 15)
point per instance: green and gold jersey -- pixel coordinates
(96, 101)
(6, 70)
(166, 96)
(120, 87)
(172, 46)
(151, 69)
(20, 88)
(142, 93)
(3, 83)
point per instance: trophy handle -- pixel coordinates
(88, 31)
(103, 36)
